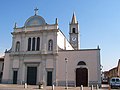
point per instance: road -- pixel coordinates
(35, 87)
(106, 87)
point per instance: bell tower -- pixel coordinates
(74, 33)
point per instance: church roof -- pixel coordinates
(35, 20)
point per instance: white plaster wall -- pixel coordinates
(90, 57)
(32, 58)
(68, 45)
(62, 42)
(49, 63)
(6, 67)
(15, 63)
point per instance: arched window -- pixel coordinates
(73, 30)
(81, 63)
(17, 46)
(38, 44)
(50, 45)
(29, 44)
(33, 44)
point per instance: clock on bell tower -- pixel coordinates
(74, 33)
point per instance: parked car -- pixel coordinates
(105, 81)
(115, 82)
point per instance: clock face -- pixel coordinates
(74, 39)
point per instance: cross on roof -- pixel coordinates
(36, 11)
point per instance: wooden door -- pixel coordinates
(81, 76)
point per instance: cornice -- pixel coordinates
(78, 50)
(36, 31)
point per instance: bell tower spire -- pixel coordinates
(74, 20)
(74, 33)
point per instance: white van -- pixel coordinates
(115, 82)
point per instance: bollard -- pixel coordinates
(21, 82)
(25, 85)
(109, 88)
(92, 87)
(81, 88)
(40, 86)
(53, 87)
(97, 87)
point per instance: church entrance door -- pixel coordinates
(49, 78)
(15, 77)
(81, 76)
(31, 75)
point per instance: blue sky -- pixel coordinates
(99, 22)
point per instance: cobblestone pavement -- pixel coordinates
(35, 87)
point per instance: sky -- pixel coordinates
(99, 22)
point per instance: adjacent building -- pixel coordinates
(1, 67)
(40, 52)
(114, 72)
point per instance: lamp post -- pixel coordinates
(66, 82)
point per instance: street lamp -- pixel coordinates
(66, 82)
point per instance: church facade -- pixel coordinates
(40, 52)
